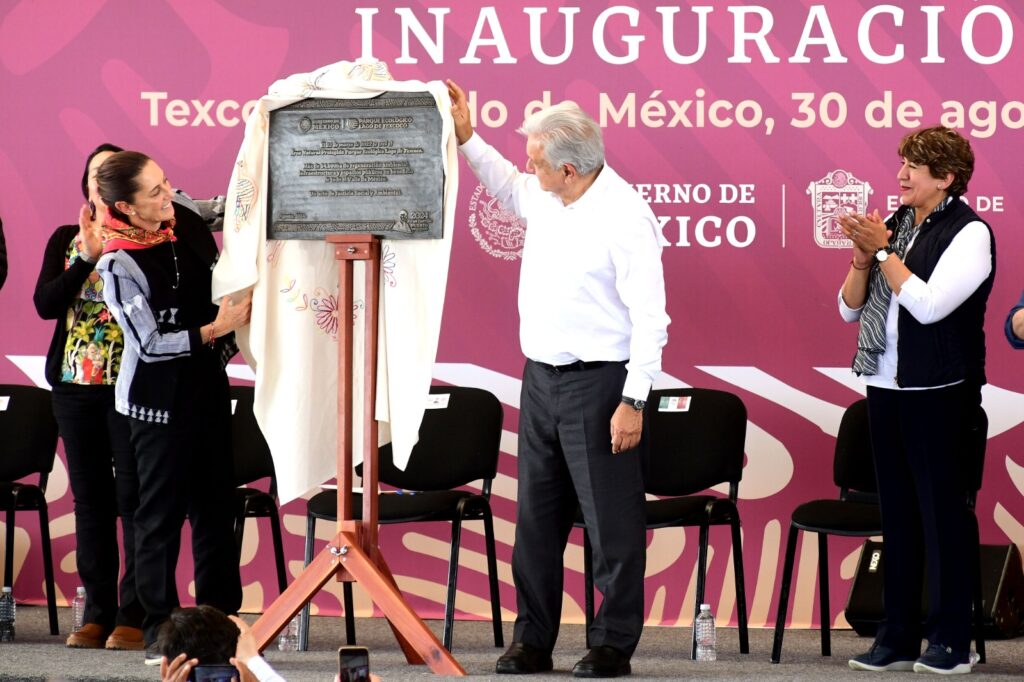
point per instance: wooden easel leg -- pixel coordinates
(380, 586)
(344, 551)
(290, 602)
(411, 654)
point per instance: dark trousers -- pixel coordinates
(105, 485)
(185, 468)
(919, 443)
(564, 456)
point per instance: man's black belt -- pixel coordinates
(577, 366)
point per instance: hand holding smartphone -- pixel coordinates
(214, 673)
(353, 664)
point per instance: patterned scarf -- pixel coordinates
(119, 235)
(871, 338)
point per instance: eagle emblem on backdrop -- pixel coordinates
(833, 196)
(498, 231)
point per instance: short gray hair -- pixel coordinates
(569, 136)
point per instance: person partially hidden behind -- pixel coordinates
(203, 643)
(592, 326)
(1014, 327)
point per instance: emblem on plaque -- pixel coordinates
(498, 231)
(833, 196)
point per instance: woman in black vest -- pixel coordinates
(156, 269)
(918, 284)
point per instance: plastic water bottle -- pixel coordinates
(78, 610)
(288, 640)
(704, 630)
(7, 613)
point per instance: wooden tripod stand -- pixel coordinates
(353, 554)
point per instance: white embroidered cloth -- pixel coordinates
(291, 341)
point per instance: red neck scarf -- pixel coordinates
(120, 235)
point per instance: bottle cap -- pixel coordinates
(705, 607)
(81, 591)
(7, 589)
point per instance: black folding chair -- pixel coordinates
(689, 452)
(856, 514)
(252, 462)
(458, 445)
(28, 447)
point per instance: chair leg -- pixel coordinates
(9, 546)
(275, 533)
(239, 527)
(741, 592)
(51, 593)
(307, 559)
(702, 567)
(492, 575)
(823, 599)
(588, 584)
(787, 578)
(350, 614)
(453, 575)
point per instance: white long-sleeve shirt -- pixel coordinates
(591, 284)
(960, 270)
(259, 667)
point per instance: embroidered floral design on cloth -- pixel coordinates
(388, 260)
(326, 311)
(246, 193)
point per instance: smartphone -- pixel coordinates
(213, 673)
(353, 664)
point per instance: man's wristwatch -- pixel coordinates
(883, 253)
(637, 405)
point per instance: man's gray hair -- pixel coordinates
(569, 136)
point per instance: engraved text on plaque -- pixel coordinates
(356, 165)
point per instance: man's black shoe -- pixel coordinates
(602, 661)
(523, 659)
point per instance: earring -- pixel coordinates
(133, 212)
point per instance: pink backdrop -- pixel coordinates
(685, 100)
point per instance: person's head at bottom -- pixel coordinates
(204, 634)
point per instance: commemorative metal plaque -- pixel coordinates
(370, 166)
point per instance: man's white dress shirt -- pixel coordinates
(591, 284)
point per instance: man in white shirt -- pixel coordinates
(592, 326)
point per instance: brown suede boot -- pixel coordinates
(90, 636)
(126, 638)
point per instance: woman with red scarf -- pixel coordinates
(156, 270)
(81, 367)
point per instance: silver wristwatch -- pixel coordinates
(637, 405)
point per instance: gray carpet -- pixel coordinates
(35, 655)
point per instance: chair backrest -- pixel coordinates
(28, 432)
(458, 444)
(853, 468)
(252, 459)
(689, 451)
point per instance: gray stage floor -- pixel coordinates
(661, 655)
